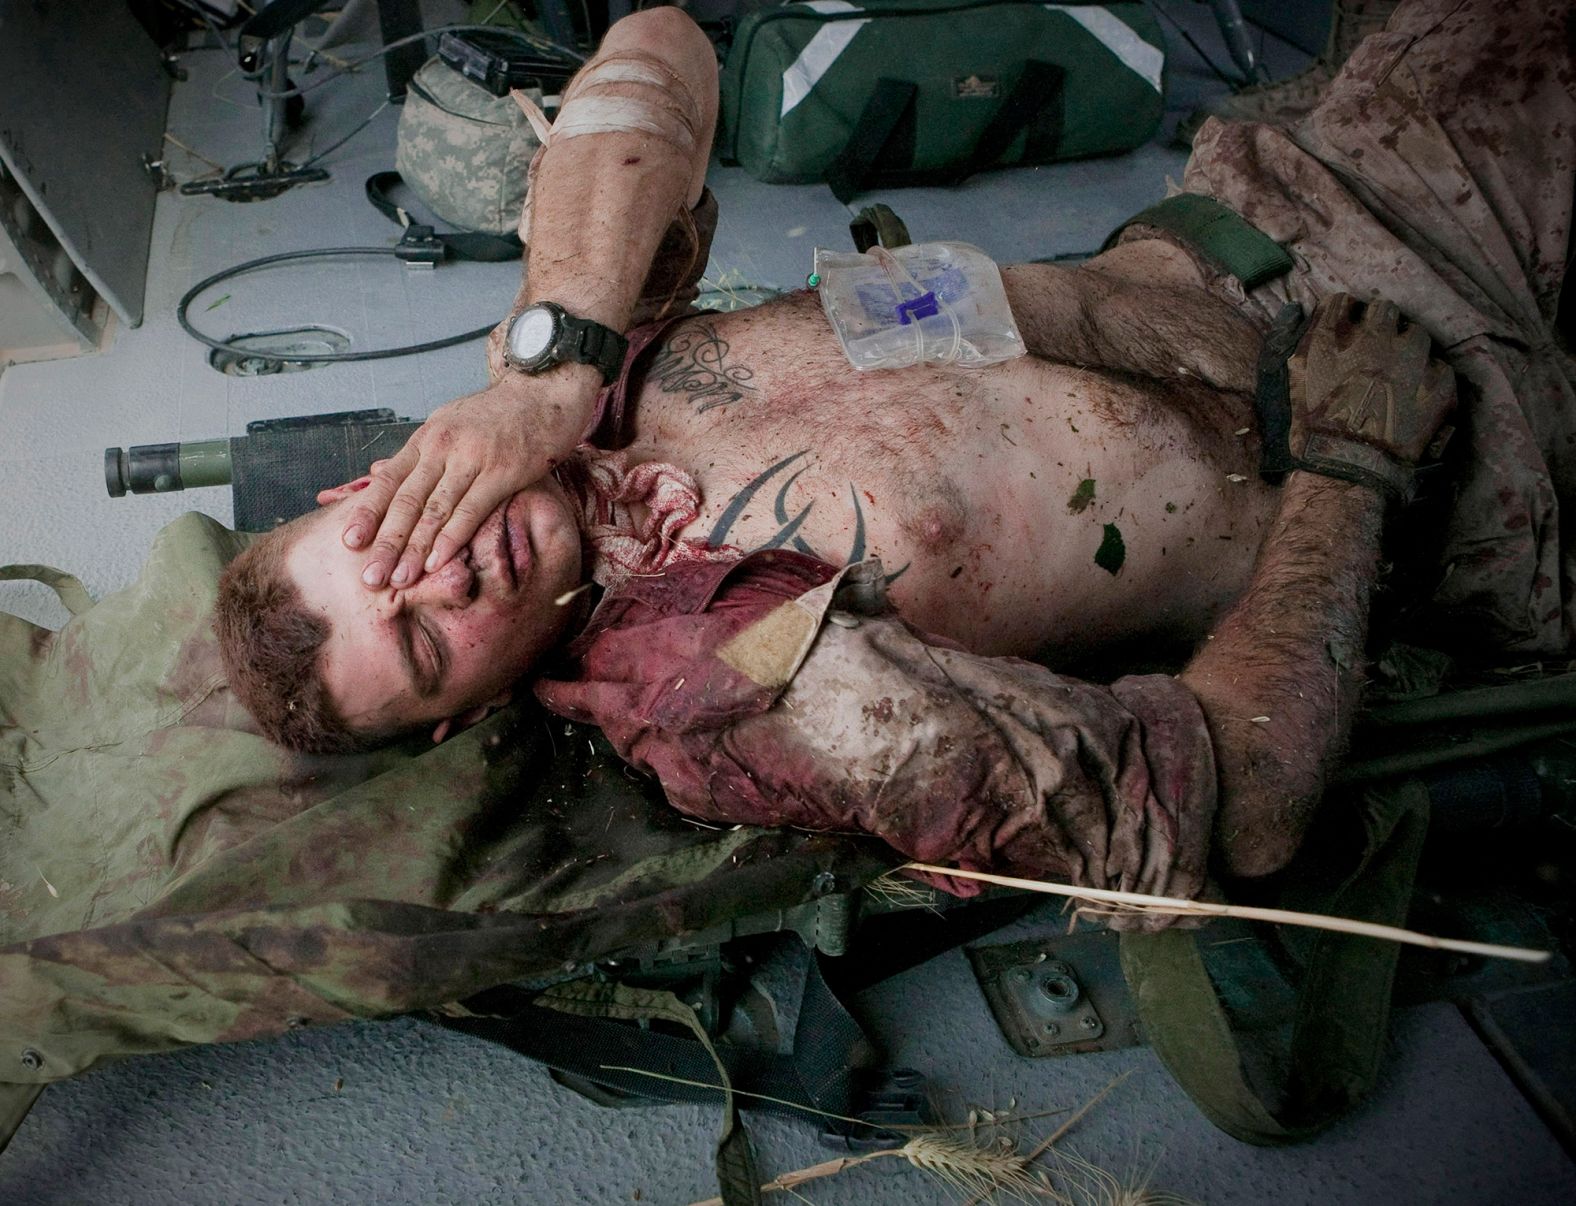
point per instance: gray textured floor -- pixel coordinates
(403, 1112)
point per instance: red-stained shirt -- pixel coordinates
(777, 690)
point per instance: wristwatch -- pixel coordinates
(545, 334)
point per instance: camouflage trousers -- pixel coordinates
(1437, 170)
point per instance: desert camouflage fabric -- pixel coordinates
(1437, 171)
(168, 877)
(464, 151)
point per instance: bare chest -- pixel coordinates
(985, 494)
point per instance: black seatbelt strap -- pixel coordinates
(583, 1032)
(425, 244)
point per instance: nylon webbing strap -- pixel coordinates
(830, 1049)
(584, 1038)
(1272, 395)
(889, 100)
(738, 1177)
(1222, 236)
(464, 245)
(1343, 1006)
(1035, 105)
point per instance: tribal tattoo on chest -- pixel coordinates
(788, 525)
(694, 363)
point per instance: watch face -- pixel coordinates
(531, 334)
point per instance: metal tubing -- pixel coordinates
(205, 463)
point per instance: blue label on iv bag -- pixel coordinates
(923, 306)
(885, 304)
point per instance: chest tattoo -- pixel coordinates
(789, 521)
(694, 363)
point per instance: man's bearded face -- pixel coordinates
(455, 642)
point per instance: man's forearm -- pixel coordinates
(1279, 679)
(601, 202)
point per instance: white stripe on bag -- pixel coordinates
(1118, 37)
(820, 53)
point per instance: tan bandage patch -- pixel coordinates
(623, 71)
(643, 70)
(770, 650)
(671, 116)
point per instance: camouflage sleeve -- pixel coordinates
(984, 763)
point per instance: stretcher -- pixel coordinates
(168, 877)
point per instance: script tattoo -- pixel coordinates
(693, 363)
(787, 534)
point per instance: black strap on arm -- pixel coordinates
(1272, 397)
(430, 245)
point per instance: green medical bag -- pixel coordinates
(890, 92)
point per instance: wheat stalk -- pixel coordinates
(901, 892)
(1087, 1184)
(966, 1168)
(1176, 906)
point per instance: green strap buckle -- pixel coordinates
(1218, 233)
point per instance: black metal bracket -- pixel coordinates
(889, 1111)
(259, 187)
(420, 247)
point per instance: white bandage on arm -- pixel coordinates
(614, 114)
(673, 118)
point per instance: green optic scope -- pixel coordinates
(160, 468)
(274, 471)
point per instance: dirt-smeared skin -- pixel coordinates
(932, 468)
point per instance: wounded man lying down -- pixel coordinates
(816, 589)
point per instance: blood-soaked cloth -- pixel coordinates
(1438, 172)
(780, 691)
(607, 490)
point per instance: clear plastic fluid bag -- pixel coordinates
(927, 301)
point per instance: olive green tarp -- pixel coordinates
(168, 877)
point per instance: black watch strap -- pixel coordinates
(586, 342)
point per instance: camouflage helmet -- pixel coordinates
(464, 151)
